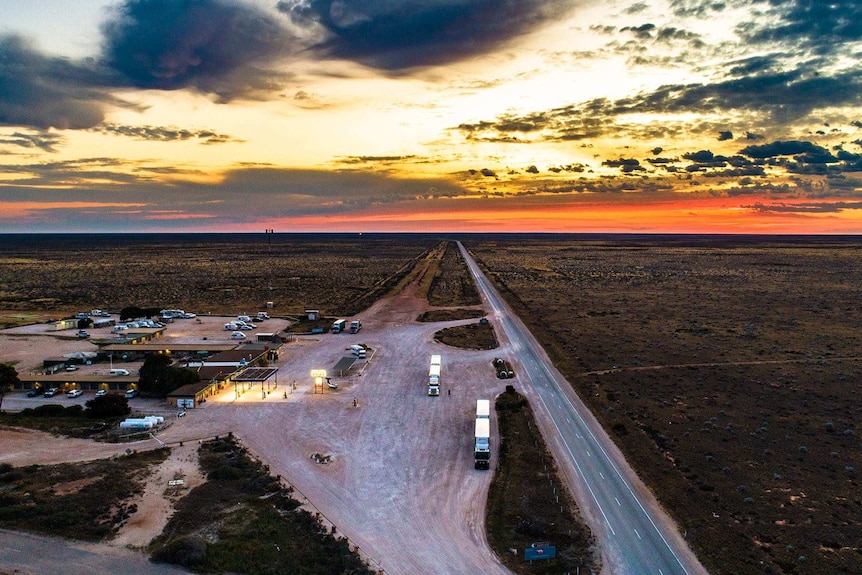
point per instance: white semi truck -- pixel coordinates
(355, 326)
(482, 449)
(434, 375)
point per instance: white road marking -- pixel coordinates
(638, 534)
(618, 501)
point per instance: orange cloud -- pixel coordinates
(13, 210)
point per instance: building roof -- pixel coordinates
(191, 389)
(211, 372)
(167, 345)
(256, 374)
(74, 377)
(249, 354)
(344, 364)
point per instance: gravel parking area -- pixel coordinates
(400, 483)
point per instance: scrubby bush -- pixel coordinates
(188, 551)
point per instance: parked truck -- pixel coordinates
(434, 373)
(355, 326)
(339, 325)
(482, 448)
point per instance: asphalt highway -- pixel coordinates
(635, 534)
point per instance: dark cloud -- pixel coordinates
(397, 34)
(820, 26)
(44, 92)
(696, 8)
(806, 208)
(42, 140)
(163, 134)
(782, 96)
(725, 135)
(384, 160)
(700, 156)
(783, 148)
(220, 47)
(642, 32)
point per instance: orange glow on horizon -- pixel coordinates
(688, 216)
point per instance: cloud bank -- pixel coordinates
(400, 34)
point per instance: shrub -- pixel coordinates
(189, 551)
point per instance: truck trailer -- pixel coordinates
(434, 375)
(483, 408)
(339, 325)
(355, 326)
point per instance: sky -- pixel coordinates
(666, 116)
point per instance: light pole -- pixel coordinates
(269, 232)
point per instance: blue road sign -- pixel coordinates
(540, 552)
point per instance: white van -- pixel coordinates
(237, 335)
(230, 326)
(118, 371)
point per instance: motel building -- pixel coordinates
(237, 371)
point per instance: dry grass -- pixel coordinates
(527, 501)
(716, 365)
(470, 336)
(218, 274)
(451, 282)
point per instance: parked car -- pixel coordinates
(83, 333)
(101, 392)
(188, 315)
(35, 392)
(71, 368)
(131, 393)
(52, 391)
(181, 413)
(237, 335)
(75, 393)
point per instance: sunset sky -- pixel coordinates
(712, 116)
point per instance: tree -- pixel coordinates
(154, 374)
(159, 378)
(134, 312)
(110, 405)
(8, 380)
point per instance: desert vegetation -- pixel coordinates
(243, 521)
(450, 314)
(41, 276)
(449, 281)
(88, 501)
(528, 503)
(469, 336)
(724, 368)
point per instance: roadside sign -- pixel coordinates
(540, 551)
